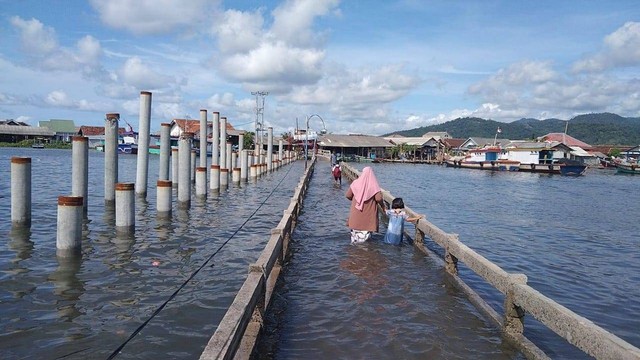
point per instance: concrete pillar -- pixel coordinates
(125, 207)
(175, 167)
(201, 181)
(215, 139)
(110, 157)
(269, 148)
(280, 150)
(192, 168)
(184, 182)
(235, 176)
(223, 143)
(228, 154)
(253, 172)
(164, 197)
(144, 130)
(244, 164)
(21, 192)
(234, 160)
(240, 143)
(214, 182)
(203, 141)
(224, 178)
(69, 225)
(165, 151)
(80, 168)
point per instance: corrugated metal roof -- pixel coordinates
(336, 140)
(418, 141)
(59, 126)
(25, 130)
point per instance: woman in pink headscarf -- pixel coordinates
(365, 195)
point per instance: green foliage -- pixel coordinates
(594, 129)
(248, 140)
(614, 152)
(28, 143)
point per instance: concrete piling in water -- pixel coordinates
(143, 144)
(240, 142)
(175, 167)
(165, 151)
(215, 139)
(184, 184)
(125, 207)
(203, 141)
(110, 157)
(80, 169)
(235, 176)
(253, 173)
(192, 166)
(244, 160)
(201, 181)
(21, 192)
(269, 148)
(228, 153)
(164, 197)
(69, 225)
(224, 179)
(214, 179)
(234, 160)
(223, 143)
(280, 151)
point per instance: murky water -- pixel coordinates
(88, 307)
(575, 238)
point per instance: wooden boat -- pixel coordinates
(571, 167)
(37, 146)
(628, 168)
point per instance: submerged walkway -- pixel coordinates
(370, 301)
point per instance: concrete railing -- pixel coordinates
(520, 299)
(237, 333)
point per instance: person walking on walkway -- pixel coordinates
(397, 216)
(365, 195)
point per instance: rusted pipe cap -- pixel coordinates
(70, 200)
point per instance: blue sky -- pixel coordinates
(363, 66)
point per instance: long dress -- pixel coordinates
(395, 229)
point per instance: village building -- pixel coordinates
(12, 131)
(354, 146)
(64, 129)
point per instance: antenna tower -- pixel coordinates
(259, 125)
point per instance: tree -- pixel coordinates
(614, 152)
(247, 141)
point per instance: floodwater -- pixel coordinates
(575, 238)
(86, 308)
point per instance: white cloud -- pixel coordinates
(36, 38)
(621, 49)
(293, 20)
(238, 32)
(139, 75)
(152, 16)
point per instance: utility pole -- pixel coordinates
(259, 125)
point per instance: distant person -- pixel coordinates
(397, 217)
(334, 158)
(336, 171)
(365, 195)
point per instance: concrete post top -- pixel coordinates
(224, 170)
(125, 186)
(216, 112)
(80, 138)
(236, 169)
(165, 183)
(186, 135)
(20, 160)
(215, 167)
(70, 200)
(201, 168)
(174, 149)
(166, 124)
(113, 116)
(145, 92)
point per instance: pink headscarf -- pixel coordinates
(364, 187)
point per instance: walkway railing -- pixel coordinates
(237, 333)
(519, 297)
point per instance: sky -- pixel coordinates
(368, 67)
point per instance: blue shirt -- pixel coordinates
(396, 226)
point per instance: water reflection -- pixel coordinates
(370, 267)
(67, 286)
(20, 242)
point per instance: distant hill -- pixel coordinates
(594, 129)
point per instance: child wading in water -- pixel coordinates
(397, 216)
(336, 171)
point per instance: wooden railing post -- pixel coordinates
(451, 262)
(513, 314)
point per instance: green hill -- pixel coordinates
(594, 129)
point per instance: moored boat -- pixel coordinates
(486, 158)
(628, 168)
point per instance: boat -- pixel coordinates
(485, 158)
(570, 167)
(626, 167)
(37, 146)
